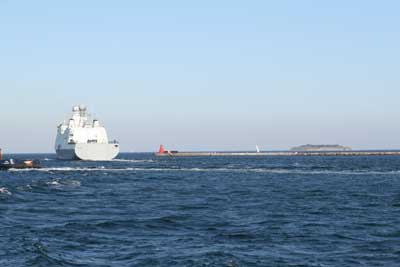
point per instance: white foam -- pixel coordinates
(58, 183)
(238, 170)
(4, 190)
(54, 182)
(75, 183)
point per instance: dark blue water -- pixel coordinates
(220, 211)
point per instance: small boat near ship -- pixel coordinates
(7, 164)
(19, 164)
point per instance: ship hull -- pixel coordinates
(66, 154)
(94, 152)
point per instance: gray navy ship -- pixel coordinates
(83, 138)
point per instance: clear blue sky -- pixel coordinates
(202, 75)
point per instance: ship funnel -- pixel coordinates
(161, 150)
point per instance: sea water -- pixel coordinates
(139, 210)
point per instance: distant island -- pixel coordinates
(320, 148)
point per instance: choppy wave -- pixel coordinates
(5, 191)
(133, 160)
(58, 182)
(54, 182)
(201, 212)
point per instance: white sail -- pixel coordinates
(257, 149)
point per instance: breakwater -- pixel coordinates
(281, 153)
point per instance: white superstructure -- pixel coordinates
(83, 138)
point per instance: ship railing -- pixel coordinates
(113, 142)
